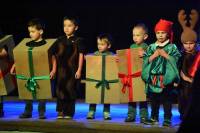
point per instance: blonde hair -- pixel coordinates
(106, 38)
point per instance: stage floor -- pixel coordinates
(13, 109)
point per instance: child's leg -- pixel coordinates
(1, 107)
(92, 107)
(183, 99)
(131, 112)
(28, 109)
(106, 111)
(92, 110)
(155, 105)
(106, 108)
(69, 108)
(143, 111)
(167, 105)
(42, 109)
(59, 107)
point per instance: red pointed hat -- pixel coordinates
(165, 25)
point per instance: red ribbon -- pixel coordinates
(161, 81)
(126, 79)
(195, 66)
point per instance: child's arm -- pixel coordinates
(54, 66)
(12, 70)
(153, 56)
(186, 78)
(141, 52)
(3, 53)
(80, 65)
(163, 53)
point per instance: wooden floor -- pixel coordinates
(13, 109)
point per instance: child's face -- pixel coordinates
(161, 36)
(102, 46)
(34, 33)
(189, 46)
(139, 35)
(69, 27)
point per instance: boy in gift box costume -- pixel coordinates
(3, 54)
(7, 81)
(104, 42)
(140, 34)
(36, 28)
(160, 71)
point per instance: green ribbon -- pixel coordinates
(103, 82)
(31, 83)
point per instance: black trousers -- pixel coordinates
(156, 99)
(66, 106)
(183, 97)
(29, 106)
(1, 103)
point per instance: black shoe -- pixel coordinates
(1, 114)
(25, 115)
(167, 123)
(129, 119)
(42, 116)
(151, 121)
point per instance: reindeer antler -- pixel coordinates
(182, 19)
(193, 18)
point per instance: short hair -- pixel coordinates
(106, 37)
(143, 26)
(37, 23)
(73, 19)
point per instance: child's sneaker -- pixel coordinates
(60, 115)
(107, 116)
(143, 120)
(67, 117)
(42, 115)
(129, 119)
(151, 121)
(91, 115)
(167, 123)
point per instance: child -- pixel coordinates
(36, 29)
(140, 34)
(189, 40)
(191, 118)
(3, 54)
(69, 52)
(160, 71)
(103, 43)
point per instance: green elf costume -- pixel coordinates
(160, 74)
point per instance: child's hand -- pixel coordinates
(154, 55)
(184, 77)
(163, 53)
(175, 84)
(117, 59)
(12, 70)
(78, 74)
(141, 53)
(52, 74)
